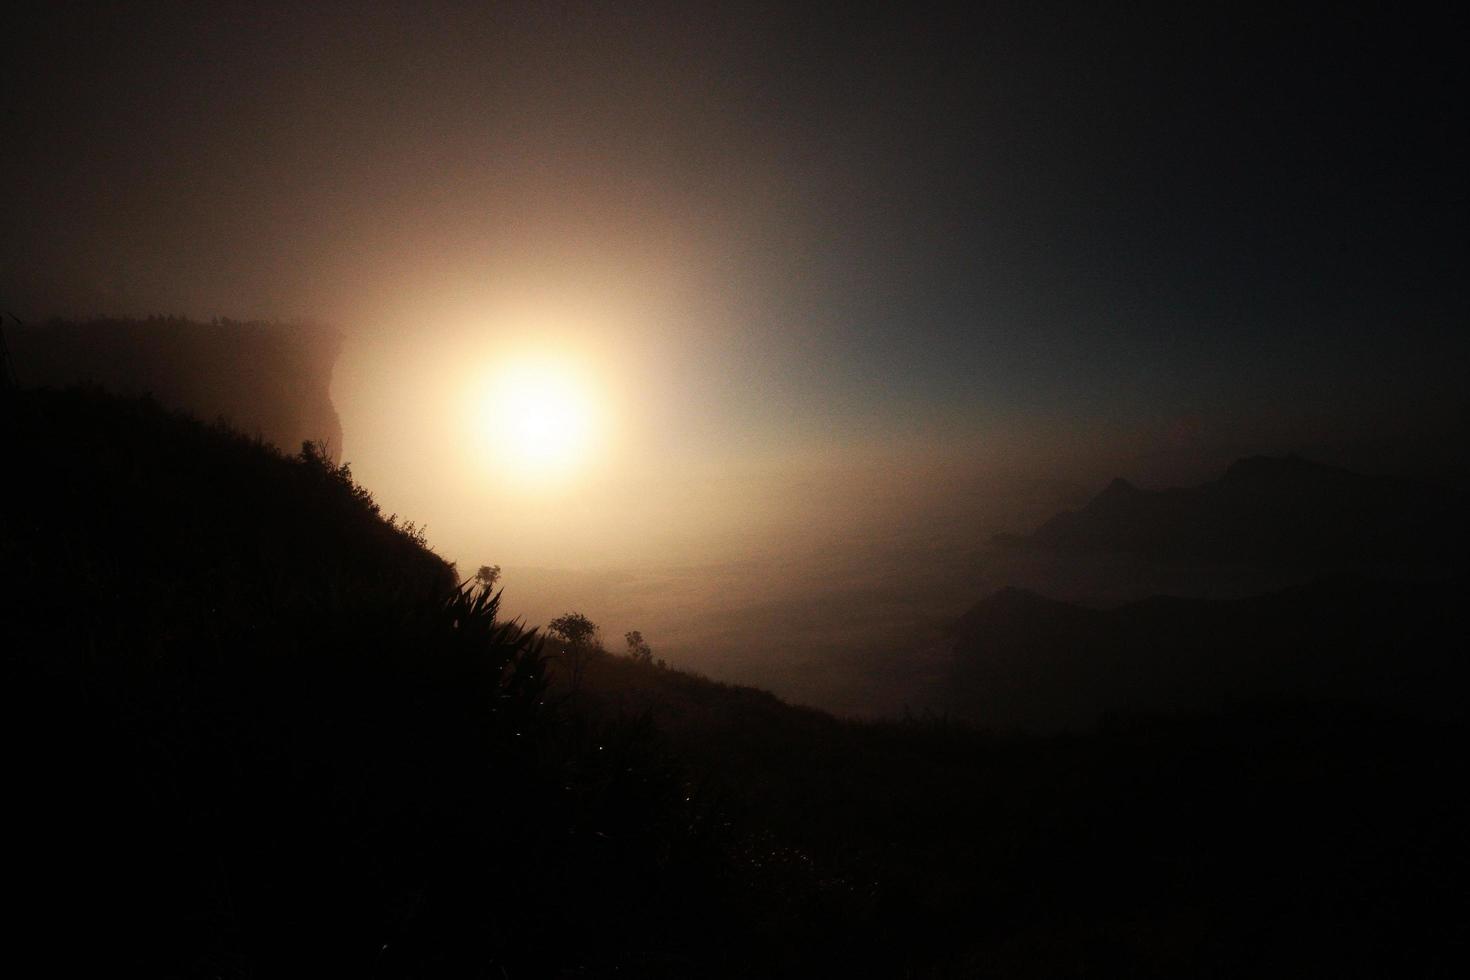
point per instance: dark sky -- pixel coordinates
(1171, 220)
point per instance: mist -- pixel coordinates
(721, 490)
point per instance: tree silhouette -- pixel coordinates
(579, 634)
(638, 648)
(573, 628)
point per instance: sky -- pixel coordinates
(831, 256)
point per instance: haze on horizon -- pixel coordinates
(845, 292)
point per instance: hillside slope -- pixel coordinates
(1285, 838)
(255, 730)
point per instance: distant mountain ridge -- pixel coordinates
(1023, 660)
(1268, 511)
(270, 380)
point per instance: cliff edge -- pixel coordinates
(271, 380)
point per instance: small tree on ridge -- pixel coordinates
(579, 634)
(638, 648)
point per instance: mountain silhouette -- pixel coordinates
(1022, 660)
(1270, 512)
(256, 729)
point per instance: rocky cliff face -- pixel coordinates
(270, 380)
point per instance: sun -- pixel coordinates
(539, 417)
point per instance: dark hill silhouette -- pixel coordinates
(1137, 849)
(1270, 512)
(254, 729)
(271, 380)
(1023, 660)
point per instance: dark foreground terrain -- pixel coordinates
(257, 730)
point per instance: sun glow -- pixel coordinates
(539, 417)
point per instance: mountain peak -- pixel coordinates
(1119, 488)
(1268, 467)
(1270, 511)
